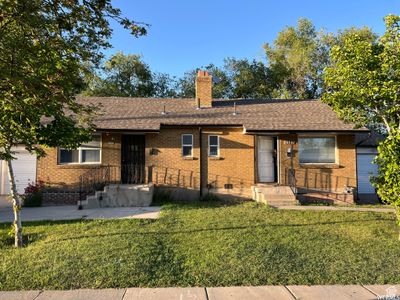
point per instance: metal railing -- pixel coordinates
(317, 181)
(191, 179)
(93, 180)
(97, 178)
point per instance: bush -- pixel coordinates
(33, 195)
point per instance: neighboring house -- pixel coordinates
(221, 146)
(366, 144)
(24, 170)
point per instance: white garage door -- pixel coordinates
(24, 169)
(366, 168)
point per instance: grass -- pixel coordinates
(205, 244)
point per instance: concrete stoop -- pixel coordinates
(274, 195)
(121, 195)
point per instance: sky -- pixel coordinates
(186, 34)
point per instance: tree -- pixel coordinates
(164, 86)
(237, 78)
(363, 87)
(123, 76)
(45, 48)
(185, 87)
(249, 79)
(296, 61)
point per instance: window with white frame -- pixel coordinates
(187, 145)
(317, 150)
(213, 145)
(88, 153)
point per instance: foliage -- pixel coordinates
(250, 79)
(388, 179)
(364, 79)
(124, 76)
(221, 88)
(298, 56)
(363, 87)
(46, 46)
(33, 194)
(296, 60)
(205, 244)
(237, 78)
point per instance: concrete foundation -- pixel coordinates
(121, 195)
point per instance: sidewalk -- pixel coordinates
(342, 208)
(291, 292)
(71, 212)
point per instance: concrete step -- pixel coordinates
(281, 195)
(123, 195)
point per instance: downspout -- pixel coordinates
(201, 160)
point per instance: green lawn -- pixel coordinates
(205, 244)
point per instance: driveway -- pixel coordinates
(55, 213)
(4, 202)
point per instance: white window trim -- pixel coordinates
(80, 154)
(209, 145)
(187, 145)
(320, 136)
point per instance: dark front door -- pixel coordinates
(132, 159)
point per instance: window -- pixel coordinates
(187, 145)
(88, 153)
(213, 145)
(319, 150)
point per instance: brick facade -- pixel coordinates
(203, 89)
(327, 177)
(233, 172)
(67, 175)
(235, 165)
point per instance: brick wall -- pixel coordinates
(235, 164)
(328, 177)
(203, 89)
(67, 175)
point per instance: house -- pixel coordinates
(243, 147)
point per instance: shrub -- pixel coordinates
(33, 195)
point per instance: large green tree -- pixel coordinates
(237, 78)
(124, 76)
(185, 86)
(296, 60)
(45, 48)
(249, 79)
(363, 87)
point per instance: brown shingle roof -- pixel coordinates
(254, 115)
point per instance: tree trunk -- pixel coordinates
(16, 206)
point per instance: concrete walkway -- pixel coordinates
(291, 292)
(323, 207)
(55, 213)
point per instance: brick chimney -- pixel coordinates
(203, 89)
